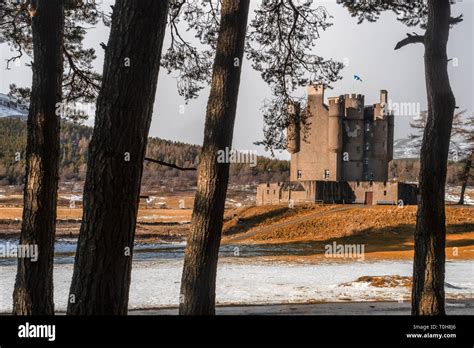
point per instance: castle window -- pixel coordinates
(367, 146)
(326, 174)
(299, 174)
(274, 191)
(371, 176)
(367, 127)
(384, 193)
(268, 192)
(358, 149)
(366, 160)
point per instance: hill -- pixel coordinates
(11, 107)
(386, 232)
(73, 163)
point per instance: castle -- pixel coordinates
(340, 154)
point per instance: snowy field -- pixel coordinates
(453, 192)
(155, 283)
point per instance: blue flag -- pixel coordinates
(357, 78)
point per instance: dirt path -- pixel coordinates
(295, 221)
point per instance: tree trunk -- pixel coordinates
(102, 270)
(430, 234)
(198, 282)
(465, 177)
(33, 293)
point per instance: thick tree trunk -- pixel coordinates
(430, 234)
(102, 269)
(465, 178)
(200, 264)
(33, 293)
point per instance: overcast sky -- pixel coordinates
(367, 48)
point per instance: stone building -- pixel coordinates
(342, 155)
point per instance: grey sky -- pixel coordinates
(368, 49)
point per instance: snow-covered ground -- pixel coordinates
(9, 107)
(453, 193)
(156, 283)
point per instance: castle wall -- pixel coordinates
(268, 194)
(381, 192)
(337, 192)
(300, 196)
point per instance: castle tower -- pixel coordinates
(354, 148)
(382, 143)
(294, 128)
(313, 160)
(344, 141)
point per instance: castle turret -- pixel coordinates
(294, 128)
(391, 128)
(382, 138)
(335, 114)
(336, 111)
(383, 97)
(316, 93)
(353, 139)
(380, 109)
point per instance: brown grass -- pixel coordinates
(144, 215)
(387, 232)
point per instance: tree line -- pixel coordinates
(74, 141)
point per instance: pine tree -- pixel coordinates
(103, 263)
(430, 235)
(33, 293)
(281, 33)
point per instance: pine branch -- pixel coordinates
(410, 39)
(169, 164)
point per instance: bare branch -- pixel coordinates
(168, 164)
(456, 20)
(410, 39)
